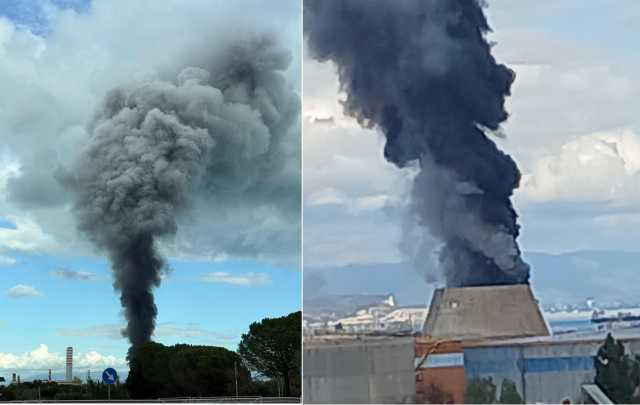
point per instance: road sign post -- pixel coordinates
(109, 377)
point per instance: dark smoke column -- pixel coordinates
(218, 134)
(422, 72)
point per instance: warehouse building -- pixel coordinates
(470, 333)
(543, 369)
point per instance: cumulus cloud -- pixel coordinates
(42, 359)
(246, 279)
(23, 291)
(603, 166)
(74, 275)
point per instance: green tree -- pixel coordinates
(157, 371)
(617, 374)
(272, 347)
(509, 393)
(480, 391)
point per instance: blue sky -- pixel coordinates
(55, 289)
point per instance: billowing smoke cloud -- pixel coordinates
(216, 133)
(422, 72)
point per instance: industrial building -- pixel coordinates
(544, 369)
(495, 332)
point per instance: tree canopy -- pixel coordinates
(617, 374)
(157, 371)
(272, 347)
(480, 390)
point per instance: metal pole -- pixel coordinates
(235, 369)
(109, 391)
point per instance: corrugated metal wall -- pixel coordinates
(546, 373)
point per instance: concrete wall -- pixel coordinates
(379, 371)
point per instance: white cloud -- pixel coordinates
(22, 291)
(110, 331)
(603, 166)
(7, 261)
(41, 359)
(74, 275)
(246, 279)
(27, 237)
(326, 196)
(94, 359)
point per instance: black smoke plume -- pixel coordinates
(219, 130)
(423, 73)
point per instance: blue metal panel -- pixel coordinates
(441, 360)
(483, 361)
(554, 364)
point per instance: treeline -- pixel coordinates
(268, 363)
(45, 390)
(157, 371)
(270, 350)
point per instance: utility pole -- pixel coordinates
(235, 369)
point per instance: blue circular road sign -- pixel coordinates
(109, 376)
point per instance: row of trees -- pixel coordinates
(267, 363)
(483, 391)
(617, 375)
(45, 390)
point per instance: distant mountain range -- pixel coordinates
(607, 276)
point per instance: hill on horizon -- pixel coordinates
(566, 278)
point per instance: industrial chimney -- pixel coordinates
(69, 374)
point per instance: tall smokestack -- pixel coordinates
(69, 371)
(426, 78)
(216, 132)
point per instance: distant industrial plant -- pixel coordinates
(471, 338)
